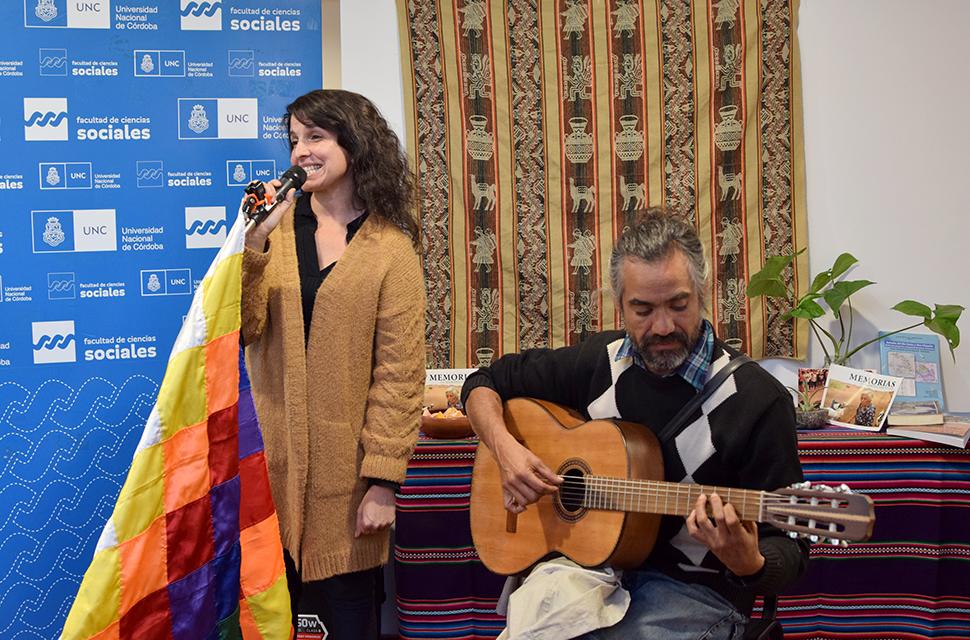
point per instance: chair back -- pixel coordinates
(767, 626)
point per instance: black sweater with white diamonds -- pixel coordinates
(742, 436)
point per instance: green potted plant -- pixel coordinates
(808, 413)
(831, 288)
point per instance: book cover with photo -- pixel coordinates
(442, 388)
(811, 382)
(914, 357)
(443, 416)
(858, 399)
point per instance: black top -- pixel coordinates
(312, 276)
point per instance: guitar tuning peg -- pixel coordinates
(835, 542)
(792, 534)
(814, 538)
(844, 488)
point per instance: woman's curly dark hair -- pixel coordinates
(383, 181)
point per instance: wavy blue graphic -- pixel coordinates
(48, 602)
(135, 398)
(19, 592)
(66, 449)
(62, 286)
(38, 564)
(36, 459)
(81, 514)
(149, 173)
(96, 399)
(56, 341)
(207, 9)
(13, 493)
(50, 118)
(53, 62)
(62, 498)
(212, 227)
(241, 63)
(27, 412)
(97, 448)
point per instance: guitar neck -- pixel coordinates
(667, 498)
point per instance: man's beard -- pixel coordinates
(666, 361)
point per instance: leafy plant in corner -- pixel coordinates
(805, 398)
(831, 288)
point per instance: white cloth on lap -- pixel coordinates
(560, 599)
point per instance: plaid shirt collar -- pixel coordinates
(694, 369)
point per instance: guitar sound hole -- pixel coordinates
(572, 490)
(569, 503)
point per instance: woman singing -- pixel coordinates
(333, 321)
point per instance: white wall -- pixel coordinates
(886, 137)
(371, 62)
(887, 131)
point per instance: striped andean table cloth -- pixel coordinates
(911, 580)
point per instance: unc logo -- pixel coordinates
(239, 174)
(198, 121)
(45, 10)
(53, 234)
(146, 64)
(53, 178)
(153, 283)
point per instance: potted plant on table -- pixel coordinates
(831, 293)
(808, 413)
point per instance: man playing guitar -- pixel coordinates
(704, 572)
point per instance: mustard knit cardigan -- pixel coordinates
(347, 405)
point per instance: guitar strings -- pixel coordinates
(601, 484)
(594, 492)
(653, 487)
(600, 489)
(615, 494)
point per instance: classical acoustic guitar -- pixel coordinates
(607, 510)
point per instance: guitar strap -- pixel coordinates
(679, 421)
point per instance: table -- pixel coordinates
(911, 580)
(443, 591)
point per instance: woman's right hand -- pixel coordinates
(257, 236)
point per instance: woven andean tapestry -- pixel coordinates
(539, 129)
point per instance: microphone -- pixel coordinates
(258, 204)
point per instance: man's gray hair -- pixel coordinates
(654, 236)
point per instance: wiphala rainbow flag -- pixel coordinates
(192, 549)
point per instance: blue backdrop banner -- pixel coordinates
(129, 129)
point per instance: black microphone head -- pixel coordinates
(296, 175)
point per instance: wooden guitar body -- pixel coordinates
(555, 525)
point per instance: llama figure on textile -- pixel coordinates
(634, 192)
(483, 191)
(581, 195)
(727, 182)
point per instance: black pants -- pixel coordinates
(349, 605)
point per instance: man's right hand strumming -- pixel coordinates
(525, 477)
